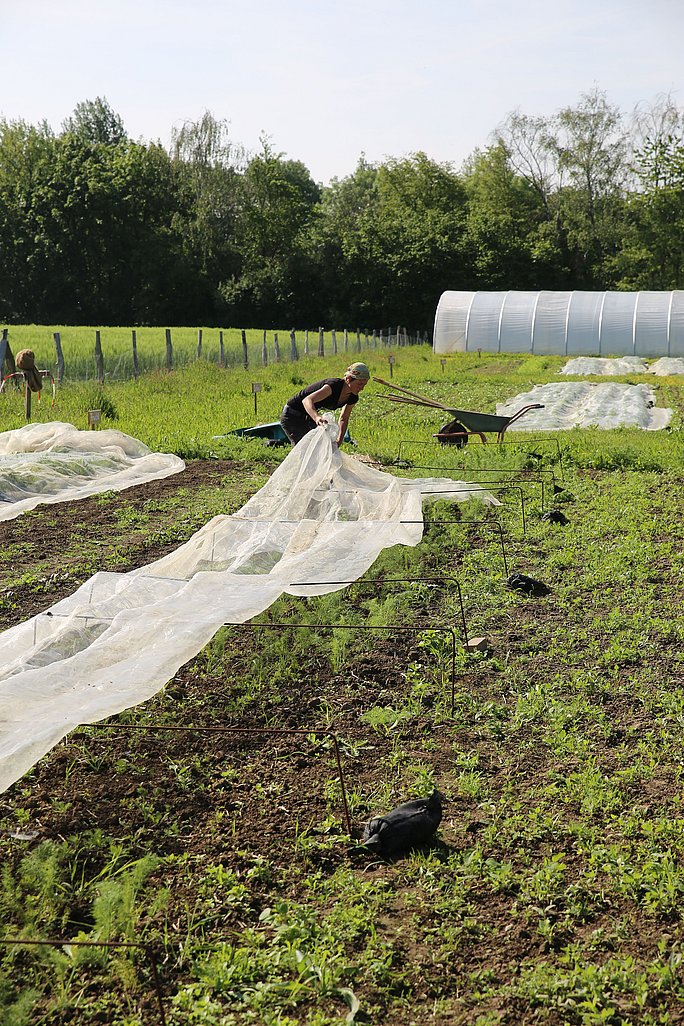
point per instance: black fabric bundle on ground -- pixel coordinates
(407, 826)
(455, 428)
(530, 585)
(554, 516)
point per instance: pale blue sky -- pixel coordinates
(327, 81)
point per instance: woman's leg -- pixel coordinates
(295, 427)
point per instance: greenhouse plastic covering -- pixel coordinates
(570, 323)
(581, 404)
(56, 462)
(120, 637)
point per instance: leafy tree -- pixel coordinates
(392, 237)
(344, 242)
(104, 233)
(278, 199)
(94, 121)
(591, 148)
(26, 156)
(208, 167)
(575, 162)
(653, 255)
(505, 213)
(423, 236)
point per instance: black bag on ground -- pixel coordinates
(409, 825)
(455, 428)
(528, 585)
(554, 516)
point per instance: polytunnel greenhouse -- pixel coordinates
(566, 323)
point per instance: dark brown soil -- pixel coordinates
(229, 793)
(53, 530)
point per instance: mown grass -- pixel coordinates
(555, 891)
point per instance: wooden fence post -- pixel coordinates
(134, 342)
(264, 351)
(365, 337)
(60, 356)
(321, 343)
(294, 355)
(245, 355)
(199, 343)
(6, 355)
(306, 342)
(334, 341)
(99, 359)
(346, 340)
(222, 351)
(276, 348)
(358, 341)
(169, 350)
(375, 339)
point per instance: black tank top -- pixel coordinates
(333, 401)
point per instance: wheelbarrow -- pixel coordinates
(272, 434)
(465, 422)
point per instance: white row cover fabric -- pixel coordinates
(322, 516)
(667, 365)
(623, 365)
(581, 404)
(582, 323)
(586, 365)
(56, 462)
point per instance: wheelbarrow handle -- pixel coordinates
(532, 406)
(415, 395)
(415, 402)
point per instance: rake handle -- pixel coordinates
(423, 399)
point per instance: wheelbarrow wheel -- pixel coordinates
(459, 432)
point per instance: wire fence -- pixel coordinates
(120, 353)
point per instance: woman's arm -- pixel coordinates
(309, 403)
(344, 420)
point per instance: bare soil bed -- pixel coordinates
(458, 947)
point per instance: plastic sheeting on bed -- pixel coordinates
(605, 365)
(46, 463)
(667, 365)
(116, 641)
(582, 404)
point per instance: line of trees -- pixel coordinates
(96, 228)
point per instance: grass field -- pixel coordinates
(181, 411)
(554, 891)
(187, 345)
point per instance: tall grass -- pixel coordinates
(78, 347)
